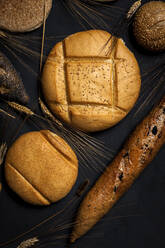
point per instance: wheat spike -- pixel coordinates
(3, 149)
(133, 9)
(21, 108)
(28, 243)
(6, 113)
(2, 34)
(47, 112)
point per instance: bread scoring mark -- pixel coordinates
(57, 103)
(115, 86)
(113, 95)
(111, 84)
(115, 60)
(82, 103)
(55, 60)
(89, 104)
(113, 79)
(108, 107)
(158, 25)
(113, 75)
(63, 155)
(88, 59)
(65, 81)
(121, 109)
(93, 59)
(43, 198)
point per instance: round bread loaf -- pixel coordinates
(23, 15)
(149, 26)
(88, 86)
(41, 167)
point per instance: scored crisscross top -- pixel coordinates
(88, 87)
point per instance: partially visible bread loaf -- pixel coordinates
(23, 15)
(136, 154)
(41, 167)
(149, 26)
(87, 86)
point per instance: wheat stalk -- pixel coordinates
(80, 141)
(28, 111)
(43, 35)
(3, 149)
(47, 112)
(6, 113)
(28, 243)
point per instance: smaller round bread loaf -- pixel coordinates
(149, 26)
(88, 86)
(41, 167)
(23, 15)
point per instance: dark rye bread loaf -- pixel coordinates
(41, 167)
(86, 85)
(11, 85)
(23, 15)
(149, 26)
(139, 150)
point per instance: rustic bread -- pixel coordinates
(23, 16)
(138, 151)
(11, 85)
(149, 26)
(86, 85)
(41, 167)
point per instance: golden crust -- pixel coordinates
(87, 86)
(41, 167)
(136, 154)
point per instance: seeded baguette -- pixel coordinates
(138, 151)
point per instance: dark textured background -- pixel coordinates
(138, 219)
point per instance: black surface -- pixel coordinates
(138, 219)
